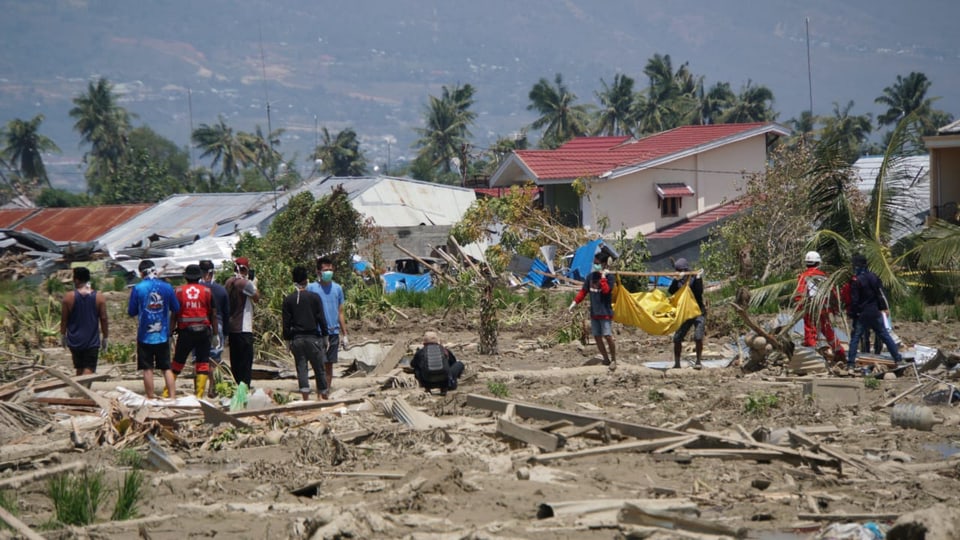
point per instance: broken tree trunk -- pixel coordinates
(779, 343)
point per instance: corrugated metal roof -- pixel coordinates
(10, 218)
(79, 224)
(950, 129)
(911, 176)
(206, 214)
(401, 202)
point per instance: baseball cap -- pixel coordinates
(681, 265)
(242, 261)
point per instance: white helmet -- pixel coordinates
(812, 257)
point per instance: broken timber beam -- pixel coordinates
(101, 401)
(85, 380)
(551, 414)
(390, 360)
(548, 442)
(784, 451)
(632, 446)
(637, 515)
(18, 525)
(16, 482)
(215, 416)
(434, 269)
(865, 516)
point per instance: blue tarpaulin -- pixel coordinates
(582, 261)
(394, 281)
(536, 278)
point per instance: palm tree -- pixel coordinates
(227, 150)
(846, 132)
(447, 122)
(803, 128)
(104, 125)
(560, 117)
(23, 147)
(263, 151)
(905, 96)
(712, 103)
(754, 103)
(340, 154)
(670, 99)
(616, 107)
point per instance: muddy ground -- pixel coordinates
(463, 480)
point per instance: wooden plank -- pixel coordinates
(552, 426)
(806, 456)
(67, 402)
(294, 407)
(754, 454)
(18, 525)
(390, 360)
(548, 442)
(679, 444)
(15, 453)
(215, 416)
(632, 446)
(369, 474)
(16, 482)
(575, 431)
(637, 515)
(898, 397)
(551, 414)
(803, 439)
(86, 380)
(101, 401)
(866, 516)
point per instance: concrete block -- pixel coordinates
(833, 392)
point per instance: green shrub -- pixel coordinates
(129, 493)
(760, 403)
(498, 389)
(118, 353)
(119, 283)
(8, 501)
(129, 457)
(910, 308)
(54, 286)
(872, 383)
(76, 498)
(654, 395)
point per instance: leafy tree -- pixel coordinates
(764, 240)
(264, 157)
(105, 125)
(24, 146)
(140, 179)
(160, 149)
(227, 150)
(340, 154)
(560, 117)
(754, 103)
(846, 132)
(447, 122)
(61, 198)
(615, 116)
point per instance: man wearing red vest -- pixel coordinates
(194, 323)
(808, 285)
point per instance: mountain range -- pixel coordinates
(371, 64)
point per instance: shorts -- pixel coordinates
(85, 358)
(333, 348)
(699, 329)
(601, 327)
(153, 356)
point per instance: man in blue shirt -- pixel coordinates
(331, 294)
(153, 301)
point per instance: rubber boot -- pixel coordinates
(166, 391)
(200, 384)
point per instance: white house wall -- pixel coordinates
(630, 202)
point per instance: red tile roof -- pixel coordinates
(593, 156)
(79, 224)
(675, 189)
(710, 217)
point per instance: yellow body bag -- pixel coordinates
(654, 312)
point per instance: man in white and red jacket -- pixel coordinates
(599, 285)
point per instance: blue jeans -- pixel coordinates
(875, 323)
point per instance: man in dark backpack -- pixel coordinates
(435, 366)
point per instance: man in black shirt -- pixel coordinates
(698, 323)
(302, 317)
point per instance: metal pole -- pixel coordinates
(809, 70)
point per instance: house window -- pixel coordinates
(670, 206)
(670, 197)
